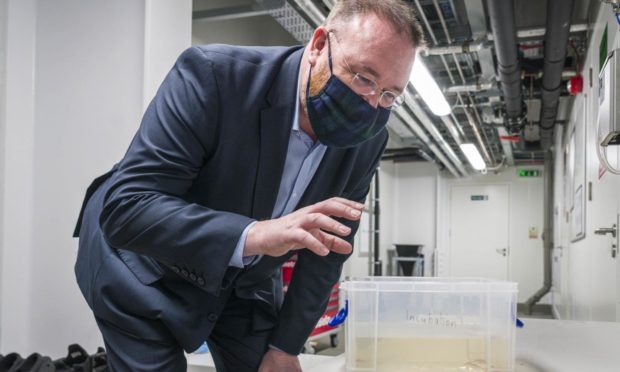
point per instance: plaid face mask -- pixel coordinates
(340, 117)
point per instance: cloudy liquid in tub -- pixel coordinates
(400, 354)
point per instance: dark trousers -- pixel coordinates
(237, 343)
(240, 337)
(126, 352)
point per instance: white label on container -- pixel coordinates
(442, 320)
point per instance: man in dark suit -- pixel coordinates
(245, 156)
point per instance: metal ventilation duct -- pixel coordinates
(504, 30)
(559, 14)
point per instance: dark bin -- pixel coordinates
(408, 250)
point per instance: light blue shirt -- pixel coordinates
(302, 160)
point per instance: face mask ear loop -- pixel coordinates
(308, 83)
(329, 53)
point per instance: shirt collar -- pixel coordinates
(296, 115)
(296, 129)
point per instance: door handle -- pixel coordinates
(502, 251)
(606, 230)
(609, 230)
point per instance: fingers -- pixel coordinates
(303, 238)
(350, 203)
(321, 221)
(339, 207)
(321, 243)
(314, 228)
(334, 243)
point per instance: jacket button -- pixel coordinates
(212, 317)
(176, 269)
(201, 282)
(192, 277)
(185, 273)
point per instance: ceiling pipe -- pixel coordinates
(477, 20)
(540, 31)
(405, 117)
(311, 11)
(430, 32)
(427, 123)
(426, 156)
(476, 126)
(329, 3)
(548, 172)
(466, 47)
(559, 14)
(501, 14)
(455, 129)
(476, 87)
(476, 131)
(506, 146)
(566, 74)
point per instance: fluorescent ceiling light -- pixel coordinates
(473, 155)
(427, 88)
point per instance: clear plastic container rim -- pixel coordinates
(428, 284)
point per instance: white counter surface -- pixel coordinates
(567, 346)
(542, 345)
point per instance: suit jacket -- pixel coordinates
(206, 161)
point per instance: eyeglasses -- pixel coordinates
(365, 86)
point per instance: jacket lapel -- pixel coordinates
(328, 180)
(274, 136)
(275, 129)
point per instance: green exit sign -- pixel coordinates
(528, 173)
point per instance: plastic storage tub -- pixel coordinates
(430, 324)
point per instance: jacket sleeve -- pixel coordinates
(144, 211)
(312, 282)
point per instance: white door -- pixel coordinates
(479, 231)
(597, 287)
(617, 253)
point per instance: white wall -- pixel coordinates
(167, 27)
(357, 265)
(387, 203)
(77, 82)
(18, 180)
(3, 29)
(415, 207)
(585, 286)
(407, 195)
(525, 211)
(408, 203)
(420, 215)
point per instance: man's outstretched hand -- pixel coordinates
(311, 227)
